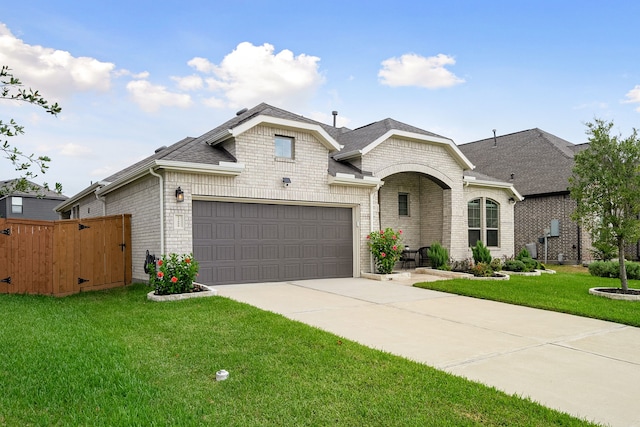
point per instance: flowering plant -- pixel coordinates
(386, 248)
(173, 274)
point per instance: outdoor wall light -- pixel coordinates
(179, 195)
(512, 200)
(286, 181)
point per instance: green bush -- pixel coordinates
(481, 253)
(611, 269)
(482, 269)
(463, 266)
(439, 256)
(173, 274)
(514, 265)
(496, 264)
(386, 248)
(530, 264)
(524, 253)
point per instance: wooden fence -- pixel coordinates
(64, 257)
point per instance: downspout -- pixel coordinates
(104, 203)
(162, 251)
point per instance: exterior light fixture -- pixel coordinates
(286, 181)
(512, 200)
(179, 195)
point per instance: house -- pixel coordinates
(270, 195)
(35, 203)
(539, 165)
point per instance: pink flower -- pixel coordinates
(160, 274)
(368, 237)
(187, 260)
(395, 248)
(382, 254)
(174, 279)
(160, 262)
(394, 237)
(399, 231)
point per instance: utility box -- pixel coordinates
(555, 228)
(532, 249)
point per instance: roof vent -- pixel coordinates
(159, 149)
(335, 115)
(244, 110)
(495, 141)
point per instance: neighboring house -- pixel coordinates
(32, 204)
(539, 165)
(271, 195)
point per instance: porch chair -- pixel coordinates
(423, 257)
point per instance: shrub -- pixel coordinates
(514, 265)
(386, 248)
(173, 274)
(481, 253)
(611, 269)
(496, 264)
(463, 266)
(439, 256)
(482, 269)
(530, 264)
(524, 253)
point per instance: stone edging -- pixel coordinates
(385, 277)
(625, 297)
(176, 297)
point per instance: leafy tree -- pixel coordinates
(606, 187)
(11, 89)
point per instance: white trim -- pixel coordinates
(231, 199)
(473, 181)
(317, 130)
(448, 143)
(351, 180)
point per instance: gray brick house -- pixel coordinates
(270, 195)
(37, 203)
(539, 165)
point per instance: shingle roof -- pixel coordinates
(541, 163)
(359, 138)
(42, 192)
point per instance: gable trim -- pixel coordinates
(316, 130)
(448, 143)
(472, 181)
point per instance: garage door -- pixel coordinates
(252, 242)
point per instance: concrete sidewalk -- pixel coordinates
(588, 368)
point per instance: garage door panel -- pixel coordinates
(249, 242)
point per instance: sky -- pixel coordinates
(133, 76)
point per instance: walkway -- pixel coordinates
(586, 367)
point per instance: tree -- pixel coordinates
(606, 187)
(11, 89)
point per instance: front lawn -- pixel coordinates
(114, 359)
(566, 292)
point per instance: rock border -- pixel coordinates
(209, 292)
(610, 295)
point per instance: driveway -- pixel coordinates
(586, 367)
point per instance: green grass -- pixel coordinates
(566, 292)
(114, 359)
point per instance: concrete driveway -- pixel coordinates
(588, 368)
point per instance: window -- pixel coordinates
(284, 147)
(16, 205)
(403, 204)
(488, 230)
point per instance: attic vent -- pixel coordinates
(244, 110)
(159, 149)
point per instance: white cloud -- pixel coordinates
(55, 73)
(192, 82)
(415, 70)
(252, 74)
(213, 102)
(633, 96)
(73, 150)
(151, 97)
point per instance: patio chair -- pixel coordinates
(423, 257)
(408, 257)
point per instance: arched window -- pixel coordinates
(483, 216)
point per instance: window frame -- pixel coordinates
(15, 205)
(290, 148)
(487, 224)
(407, 210)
